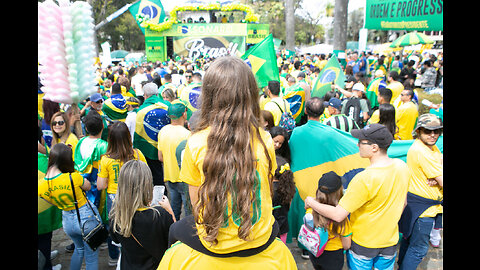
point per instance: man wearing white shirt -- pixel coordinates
(137, 83)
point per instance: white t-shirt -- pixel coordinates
(137, 83)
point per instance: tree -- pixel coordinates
(340, 25)
(290, 25)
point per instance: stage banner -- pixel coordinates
(208, 46)
(421, 15)
(257, 32)
(206, 29)
(155, 46)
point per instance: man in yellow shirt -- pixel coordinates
(169, 137)
(406, 116)
(425, 192)
(277, 105)
(394, 85)
(375, 199)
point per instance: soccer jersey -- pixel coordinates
(425, 163)
(181, 256)
(169, 137)
(375, 198)
(192, 174)
(58, 190)
(110, 169)
(406, 117)
(341, 122)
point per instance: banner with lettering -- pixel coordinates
(208, 46)
(421, 15)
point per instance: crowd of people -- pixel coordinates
(217, 143)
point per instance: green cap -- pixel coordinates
(176, 110)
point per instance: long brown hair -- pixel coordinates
(230, 107)
(119, 142)
(330, 199)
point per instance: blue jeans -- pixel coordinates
(72, 229)
(359, 262)
(413, 250)
(113, 251)
(177, 195)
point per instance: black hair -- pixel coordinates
(314, 107)
(116, 88)
(93, 123)
(385, 93)
(284, 150)
(274, 87)
(61, 157)
(387, 117)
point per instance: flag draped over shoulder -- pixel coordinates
(317, 149)
(263, 61)
(49, 216)
(153, 9)
(115, 108)
(150, 120)
(332, 72)
(372, 90)
(191, 96)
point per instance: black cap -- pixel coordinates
(329, 182)
(376, 133)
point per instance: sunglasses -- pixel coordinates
(61, 123)
(365, 143)
(435, 131)
(100, 101)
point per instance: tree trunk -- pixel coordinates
(289, 25)
(340, 25)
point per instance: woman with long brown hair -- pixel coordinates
(228, 163)
(61, 133)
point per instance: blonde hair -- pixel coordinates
(135, 190)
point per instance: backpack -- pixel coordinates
(313, 239)
(353, 110)
(286, 119)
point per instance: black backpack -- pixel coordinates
(353, 110)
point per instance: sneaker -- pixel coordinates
(53, 254)
(305, 254)
(70, 248)
(435, 238)
(112, 262)
(57, 267)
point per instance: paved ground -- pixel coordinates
(433, 261)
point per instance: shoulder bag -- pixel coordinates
(96, 236)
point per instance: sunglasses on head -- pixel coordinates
(61, 123)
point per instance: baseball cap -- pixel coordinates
(96, 97)
(379, 73)
(359, 87)
(335, 102)
(176, 110)
(330, 182)
(429, 121)
(376, 133)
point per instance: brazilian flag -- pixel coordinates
(317, 149)
(263, 61)
(295, 95)
(190, 96)
(372, 90)
(331, 73)
(115, 107)
(153, 9)
(49, 216)
(151, 117)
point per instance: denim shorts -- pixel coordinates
(359, 257)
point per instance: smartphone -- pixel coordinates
(158, 192)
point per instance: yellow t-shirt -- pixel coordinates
(110, 169)
(425, 163)
(169, 138)
(375, 198)
(335, 242)
(275, 110)
(181, 256)
(397, 88)
(192, 174)
(406, 117)
(58, 191)
(71, 141)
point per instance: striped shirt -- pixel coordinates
(341, 121)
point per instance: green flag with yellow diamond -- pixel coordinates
(331, 73)
(263, 61)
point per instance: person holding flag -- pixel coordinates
(331, 73)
